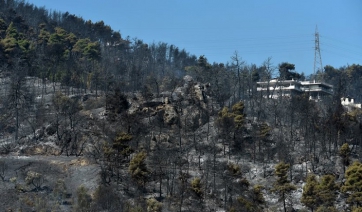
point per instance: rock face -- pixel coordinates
(199, 92)
(187, 79)
(170, 116)
(189, 98)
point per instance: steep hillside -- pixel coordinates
(92, 121)
(178, 149)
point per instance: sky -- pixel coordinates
(256, 29)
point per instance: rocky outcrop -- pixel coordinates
(170, 116)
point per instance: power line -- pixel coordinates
(342, 54)
(353, 45)
(345, 49)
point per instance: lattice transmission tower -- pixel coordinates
(318, 67)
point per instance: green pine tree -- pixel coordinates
(327, 190)
(282, 186)
(345, 152)
(120, 143)
(310, 193)
(353, 185)
(138, 168)
(257, 195)
(238, 113)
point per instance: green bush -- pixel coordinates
(196, 186)
(234, 169)
(153, 205)
(84, 200)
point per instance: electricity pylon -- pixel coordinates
(318, 67)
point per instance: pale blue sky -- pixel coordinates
(256, 29)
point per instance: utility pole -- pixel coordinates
(318, 67)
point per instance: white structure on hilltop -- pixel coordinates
(276, 88)
(347, 101)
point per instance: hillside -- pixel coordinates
(91, 121)
(181, 133)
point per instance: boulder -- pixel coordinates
(170, 116)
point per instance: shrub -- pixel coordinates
(153, 205)
(196, 186)
(83, 199)
(60, 190)
(234, 169)
(34, 178)
(106, 199)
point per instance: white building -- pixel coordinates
(275, 88)
(347, 101)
